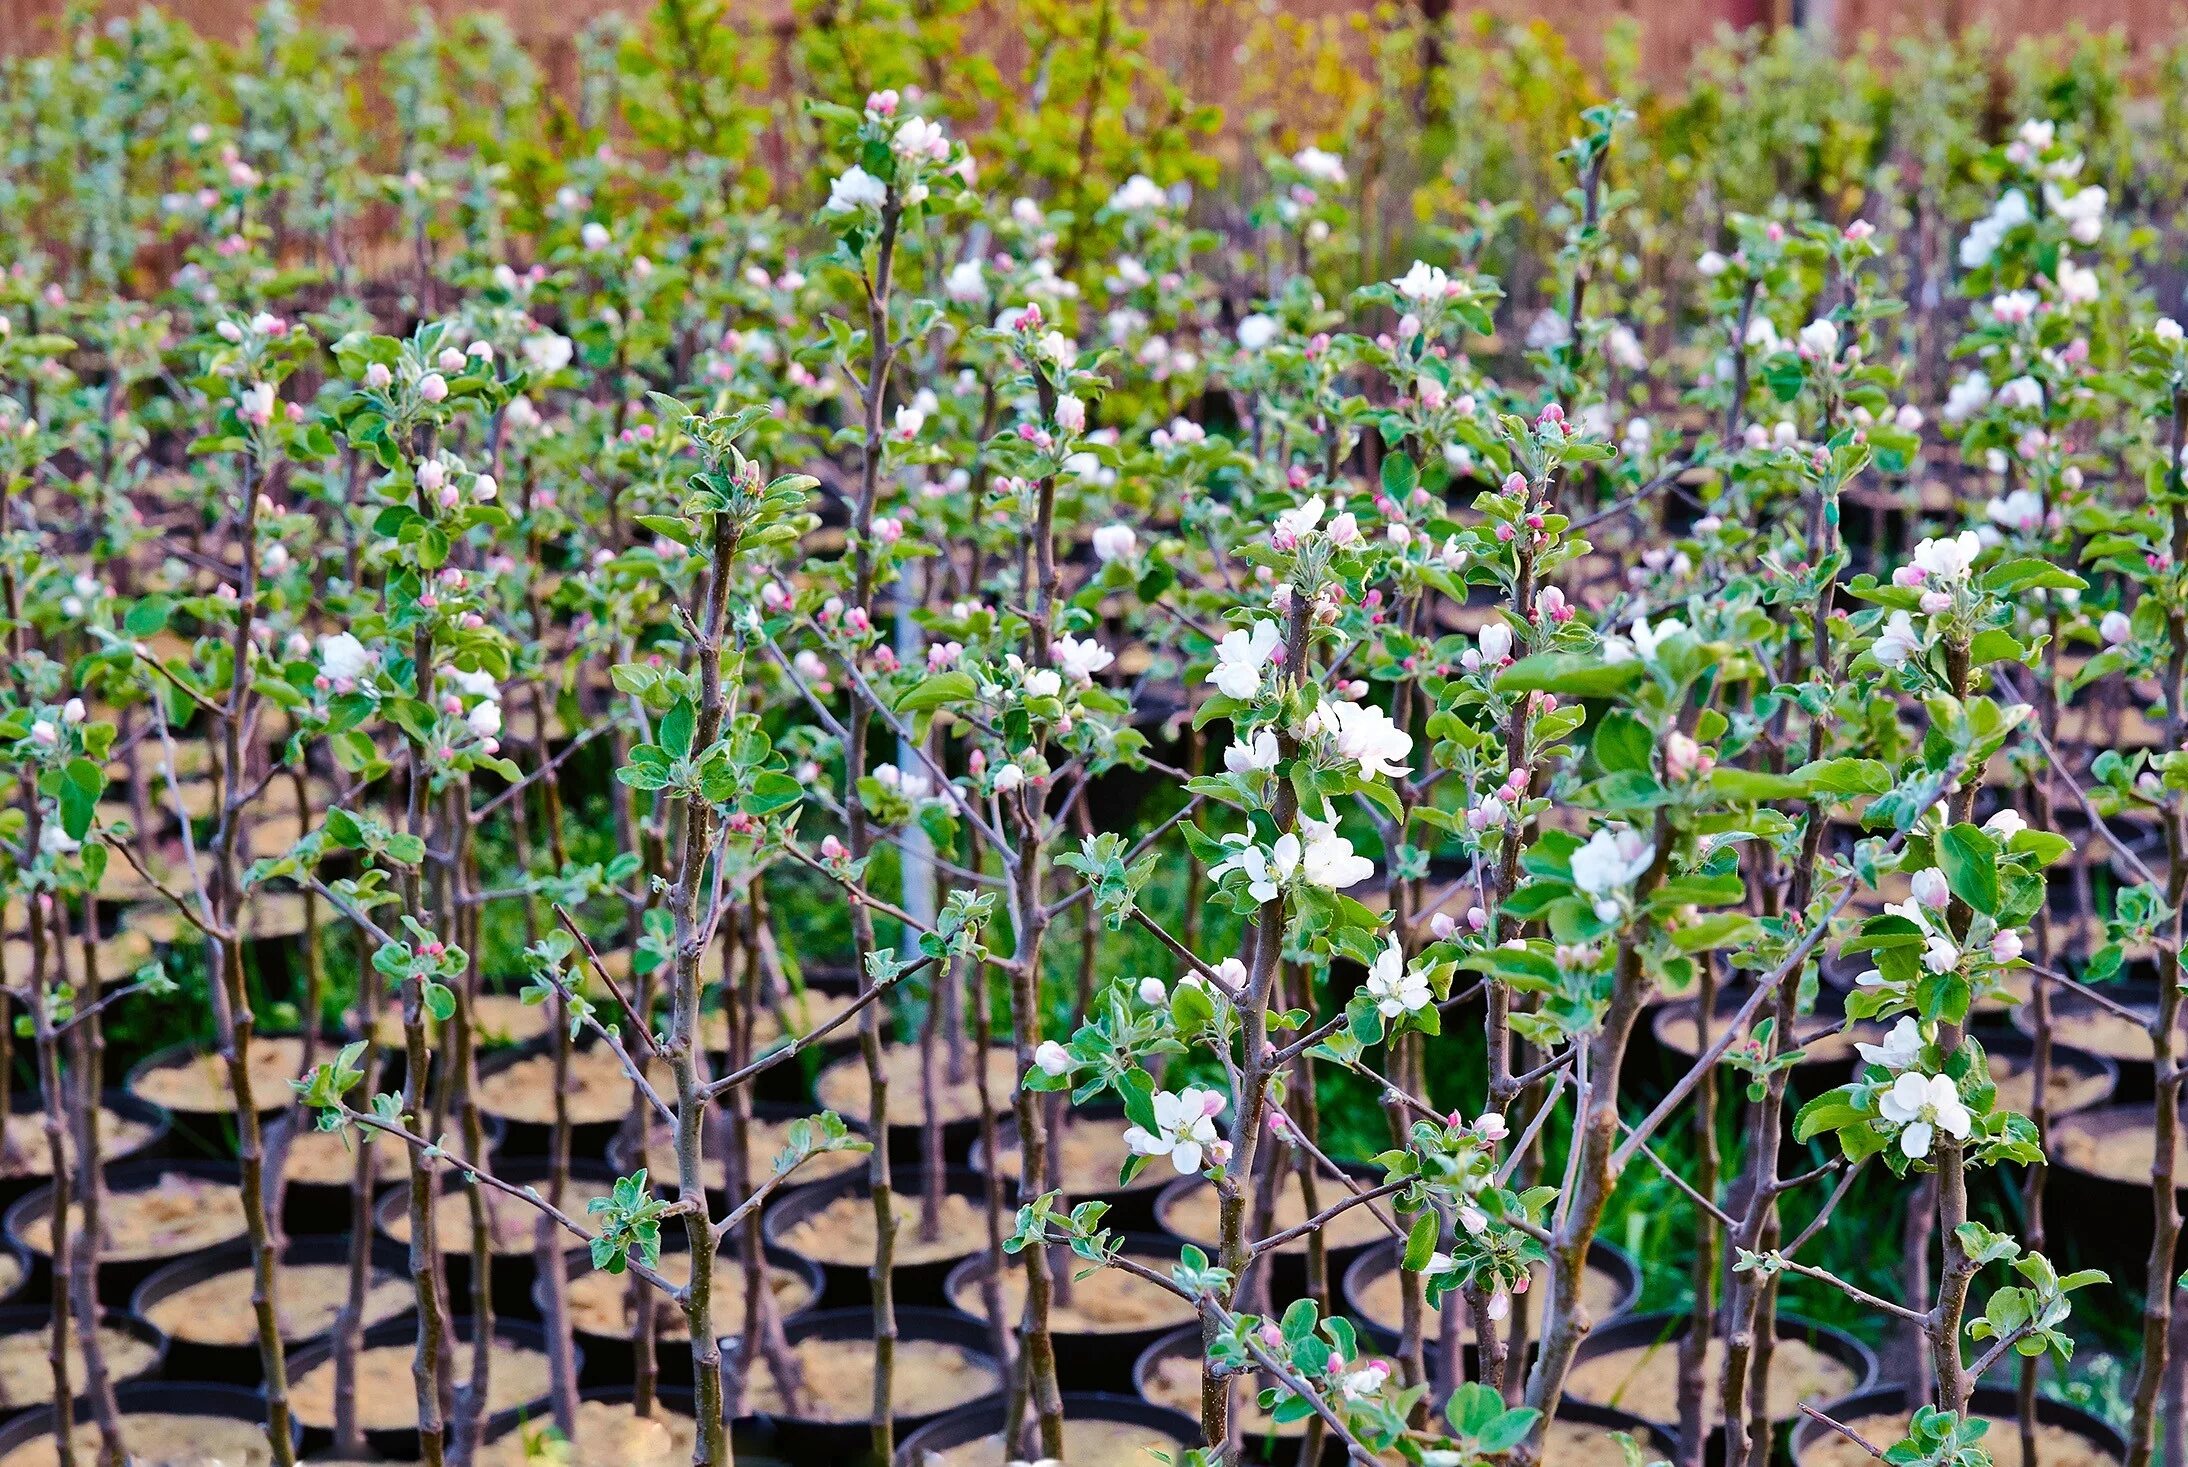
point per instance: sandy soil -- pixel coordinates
(843, 1231)
(1644, 1379)
(2119, 1143)
(26, 1376)
(180, 1215)
(839, 1379)
(608, 1435)
(1196, 1214)
(1086, 1444)
(2064, 1089)
(329, 1158)
(768, 1139)
(1383, 1304)
(386, 1400)
(199, 1084)
(843, 1087)
(511, 1221)
(26, 1155)
(600, 1089)
(499, 1018)
(161, 1439)
(600, 1302)
(1093, 1152)
(1107, 1301)
(308, 1296)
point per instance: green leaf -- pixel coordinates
(1420, 1242)
(677, 726)
(1970, 860)
(2027, 573)
(1623, 743)
(933, 692)
(1568, 673)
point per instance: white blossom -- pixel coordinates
(855, 189)
(1923, 1105)
(1185, 1127)
(1901, 1049)
(1395, 988)
(1240, 658)
(1365, 733)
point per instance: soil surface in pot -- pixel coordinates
(26, 1376)
(1107, 1301)
(1383, 1303)
(2064, 1089)
(600, 1303)
(1175, 1382)
(608, 1435)
(512, 1223)
(1584, 1444)
(2119, 1144)
(387, 1400)
(497, 1018)
(25, 1154)
(1086, 1444)
(1090, 1156)
(932, 1376)
(1644, 1379)
(2085, 1025)
(160, 1439)
(11, 1273)
(769, 1139)
(804, 1012)
(329, 1158)
(2056, 1446)
(843, 1231)
(218, 1310)
(198, 1084)
(180, 1214)
(843, 1087)
(1197, 1214)
(524, 1091)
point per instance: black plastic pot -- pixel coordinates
(401, 1443)
(609, 1359)
(1381, 1260)
(2103, 1218)
(1185, 1344)
(1288, 1281)
(1663, 1330)
(212, 1131)
(800, 1439)
(847, 1284)
(241, 1364)
(119, 1277)
(2099, 1074)
(907, 1131)
(1131, 1209)
(513, 1272)
(964, 1427)
(38, 1321)
(790, 1082)
(624, 1155)
(1992, 1401)
(24, 1264)
(154, 1397)
(309, 1208)
(1098, 1360)
(534, 1138)
(14, 1185)
(2081, 1023)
